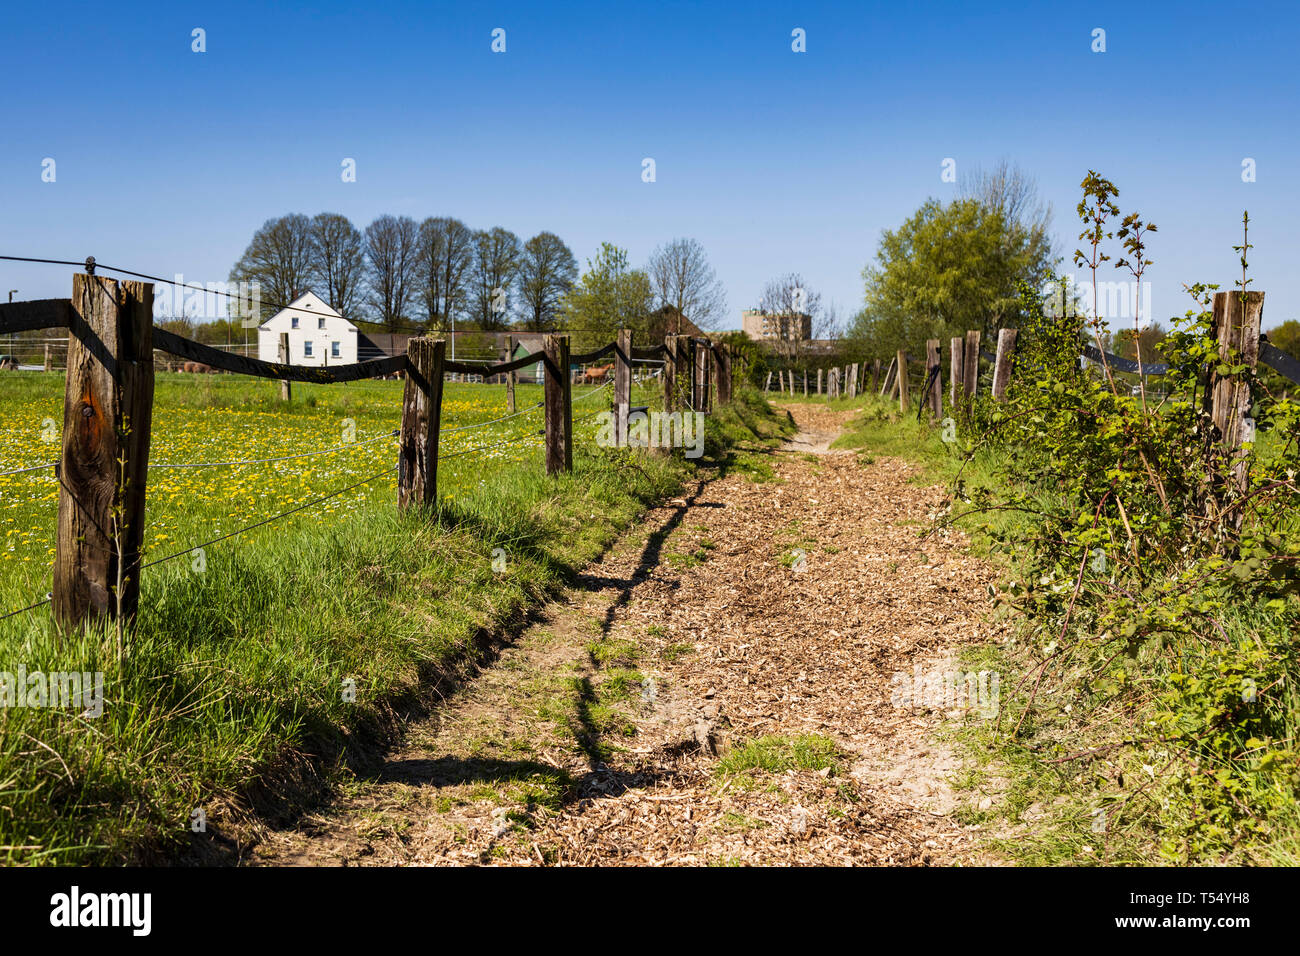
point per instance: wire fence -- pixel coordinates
(21, 317)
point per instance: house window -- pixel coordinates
(293, 322)
(320, 323)
(334, 350)
(306, 348)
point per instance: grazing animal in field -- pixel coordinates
(597, 375)
(196, 367)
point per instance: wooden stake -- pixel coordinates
(622, 385)
(956, 370)
(558, 405)
(670, 373)
(725, 382)
(902, 381)
(971, 374)
(889, 372)
(932, 367)
(107, 418)
(510, 376)
(417, 456)
(1237, 326)
(286, 388)
(1002, 366)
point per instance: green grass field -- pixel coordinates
(298, 639)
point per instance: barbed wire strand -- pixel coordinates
(266, 521)
(462, 428)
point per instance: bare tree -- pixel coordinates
(392, 253)
(1013, 193)
(792, 315)
(279, 259)
(547, 271)
(446, 254)
(682, 278)
(495, 263)
(338, 263)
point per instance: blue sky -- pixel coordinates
(167, 160)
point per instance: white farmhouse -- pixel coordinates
(318, 335)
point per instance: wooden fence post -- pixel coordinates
(767, 386)
(902, 382)
(889, 372)
(971, 374)
(932, 367)
(875, 375)
(417, 456)
(956, 370)
(1236, 325)
(47, 356)
(699, 400)
(622, 385)
(725, 382)
(286, 388)
(819, 381)
(107, 418)
(510, 376)
(1002, 366)
(556, 396)
(670, 373)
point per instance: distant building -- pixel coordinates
(776, 327)
(667, 320)
(318, 335)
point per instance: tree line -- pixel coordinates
(432, 275)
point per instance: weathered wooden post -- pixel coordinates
(767, 385)
(286, 388)
(902, 381)
(556, 399)
(1002, 365)
(853, 389)
(971, 374)
(622, 385)
(889, 377)
(47, 356)
(417, 455)
(875, 375)
(510, 376)
(934, 397)
(1236, 324)
(670, 373)
(700, 399)
(107, 418)
(819, 381)
(956, 370)
(725, 381)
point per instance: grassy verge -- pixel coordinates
(289, 653)
(1099, 771)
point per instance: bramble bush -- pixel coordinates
(1156, 571)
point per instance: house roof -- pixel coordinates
(308, 303)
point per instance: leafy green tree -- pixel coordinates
(609, 296)
(949, 268)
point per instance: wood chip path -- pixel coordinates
(746, 609)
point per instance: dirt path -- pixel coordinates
(620, 728)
